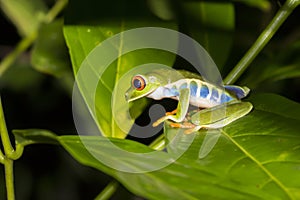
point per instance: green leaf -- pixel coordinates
(264, 5)
(25, 15)
(162, 8)
(49, 54)
(276, 104)
(82, 39)
(204, 24)
(255, 157)
(34, 136)
(270, 75)
(177, 181)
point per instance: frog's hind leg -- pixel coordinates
(185, 125)
(190, 127)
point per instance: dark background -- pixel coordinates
(48, 171)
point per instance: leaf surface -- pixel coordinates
(49, 53)
(255, 157)
(82, 39)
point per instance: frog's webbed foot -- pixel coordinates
(172, 112)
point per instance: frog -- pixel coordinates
(217, 105)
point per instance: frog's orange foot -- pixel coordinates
(172, 112)
(186, 125)
(190, 128)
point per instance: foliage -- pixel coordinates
(255, 157)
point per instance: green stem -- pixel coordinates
(8, 149)
(2, 157)
(20, 48)
(158, 143)
(6, 160)
(108, 191)
(9, 179)
(262, 40)
(55, 10)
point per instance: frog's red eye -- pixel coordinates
(138, 82)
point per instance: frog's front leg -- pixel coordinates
(181, 110)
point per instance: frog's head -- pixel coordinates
(142, 85)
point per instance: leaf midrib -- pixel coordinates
(113, 130)
(259, 164)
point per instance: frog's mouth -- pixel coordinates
(133, 94)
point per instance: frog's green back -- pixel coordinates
(171, 75)
(165, 76)
(188, 74)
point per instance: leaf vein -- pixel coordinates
(259, 164)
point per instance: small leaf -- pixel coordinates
(49, 53)
(162, 8)
(34, 136)
(264, 5)
(271, 73)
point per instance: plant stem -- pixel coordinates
(108, 191)
(55, 10)
(8, 149)
(9, 179)
(2, 157)
(6, 160)
(2, 129)
(262, 40)
(20, 48)
(158, 143)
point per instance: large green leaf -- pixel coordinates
(82, 39)
(256, 157)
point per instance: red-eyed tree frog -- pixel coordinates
(218, 105)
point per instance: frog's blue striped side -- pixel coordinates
(202, 94)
